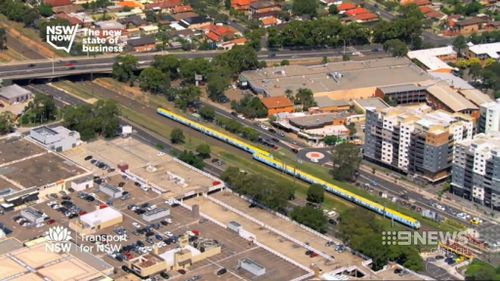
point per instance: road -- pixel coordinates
(50, 68)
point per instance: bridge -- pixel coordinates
(67, 66)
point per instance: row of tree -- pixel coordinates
(99, 119)
(236, 127)
(362, 232)
(250, 106)
(264, 191)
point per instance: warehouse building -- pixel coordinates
(404, 94)
(82, 183)
(345, 80)
(34, 216)
(156, 214)
(110, 190)
(14, 94)
(434, 59)
(476, 169)
(327, 104)
(415, 140)
(57, 139)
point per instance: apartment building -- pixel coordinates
(489, 120)
(415, 140)
(476, 169)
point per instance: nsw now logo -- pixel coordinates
(61, 37)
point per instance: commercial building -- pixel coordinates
(34, 216)
(82, 183)
(434, 59)
(476, 169)
(155, 214)
(362, 104)
(14, 94)
(96, 220)
(316, 121)
(345, 80)
(489, 120)
(252, 267)
(327, 104)
(404, 94)
(182, 257)
(414, 139)
(484, 51)
(110, 190)
(57, 139)
(276, 105)
(442, 96)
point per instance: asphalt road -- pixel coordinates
(50, 68)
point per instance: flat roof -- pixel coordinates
(376, 103)
(401, 88)
(491, 49)
(316, 120)
(450, 97)
(101, 215)
(13, 91)
(326, 101)
(326, 78)
(46, 131)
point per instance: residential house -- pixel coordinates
(141, 45)
(182, 9)
(197, 22)
(366, 17)
(344, 7)
(432, 14)
(219, 33)
(241, 5)
(356, 11)
(264, 9)
(57, 3)
(130, 21)
(470, 25)
(130, 4)
(149, 29)
(269, 21)
(416, 2)
(166, 5)
(228, 45)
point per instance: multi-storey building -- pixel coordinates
(489, 120)
(476, 169)
(414, 139)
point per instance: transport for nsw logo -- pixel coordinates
(61, 37)
(58, 239)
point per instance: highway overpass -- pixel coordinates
(60, 67)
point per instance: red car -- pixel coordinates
(313, 255)
(196, 232)
(51, 221)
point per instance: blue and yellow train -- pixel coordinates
(266, 158)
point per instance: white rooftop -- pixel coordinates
(97, 217)
(491, 49)
(429, 57)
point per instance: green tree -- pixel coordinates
(188, 69)
(330, 140)
(311, 217)
(153, 80)
(177, 136)
(207, 112)
(216, 86)
(285, 62)
(332, 10)
(315, 193)
(41, 110)
(45, 10)
(305, 97)
(168, 64)
(124, 68)
(190, 158)
(346, 161)
(3, 39)
(238, 59)
(305, 7)
(396, 47)
(250, 106)
(6, 124)
(459, 43)
(203, 150)
(187, 96)
(101, 118)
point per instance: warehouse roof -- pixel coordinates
(328, 102)
(376, 103)
(429, 57)
(97, 217)
(13, 91)
(452, 80)
(475, 96)
(274, 81)
(450, 97)
(401, 88)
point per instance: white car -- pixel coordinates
(264, 127)
(136, 225)
(169, 234)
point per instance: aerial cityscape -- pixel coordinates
(249, 140)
